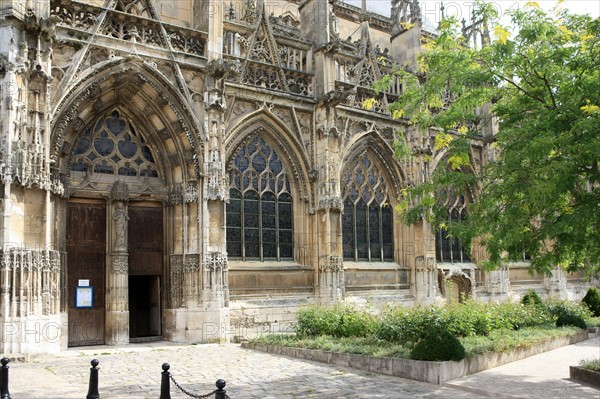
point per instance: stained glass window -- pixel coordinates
(367, 223)
(447, 248)
(259, 213)
(113, 147)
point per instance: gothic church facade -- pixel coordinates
(198, 170)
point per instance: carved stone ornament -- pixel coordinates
(192, 264)
(425, 264)
(119, 192)
(120, 264)
(333, 264)
(215, 261)
(190, 193)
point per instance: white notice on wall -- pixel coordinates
(84, 283)
(84, 297)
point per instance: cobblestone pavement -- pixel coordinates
(542, 376)
(133, 371)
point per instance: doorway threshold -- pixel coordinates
(146, 339)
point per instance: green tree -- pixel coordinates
(540, 80)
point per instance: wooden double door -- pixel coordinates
(87, 256)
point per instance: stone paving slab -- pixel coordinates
(134, 372)
(544, 376)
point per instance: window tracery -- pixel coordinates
(259, 213)
(367, 223)
(447, 248)
(113, 147)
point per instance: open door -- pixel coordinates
(145, 237)
(86, 258)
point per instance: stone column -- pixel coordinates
(330, 206)
(117, 287)
(32, 302)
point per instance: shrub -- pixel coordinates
(468, 318)
(531, 298)
(315, 320)
(557, 307)
(405, 325)
(570, 319)
(592, 301)
(438, 345)
(339, 320)
(515, 316)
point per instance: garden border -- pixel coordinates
(420, 370)
(584, 375)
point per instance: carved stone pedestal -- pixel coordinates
(556, 284)
(331, 280)
(425, 279)
(497, 283)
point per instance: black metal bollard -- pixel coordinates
(220, 393)
(93, 388)
(165, 388)
(4, 394)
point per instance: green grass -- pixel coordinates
(355, 345)
(590, 364)
(507, 340)
(496, 341)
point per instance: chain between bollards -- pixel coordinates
(93, 389)
(165, 387)
(4, 394)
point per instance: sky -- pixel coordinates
(430, 9)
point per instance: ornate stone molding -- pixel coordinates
(333, 264)
(120, 264)
(217, 182)
(21, 267)
(425, 264)
(329, 187)
(184, 193)
(215, 261)
(191, 263)
(190, 194)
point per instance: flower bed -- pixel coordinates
(431, 372)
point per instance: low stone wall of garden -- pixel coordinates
(431, 372)
(584, 375)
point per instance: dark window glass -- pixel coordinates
(367, 222)
(260, 219)
(362, 226)
(387, 232)
(234, 225)
(374, 232)
(115, 147)
(447, 248)
(104, 146)
(348, 230)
